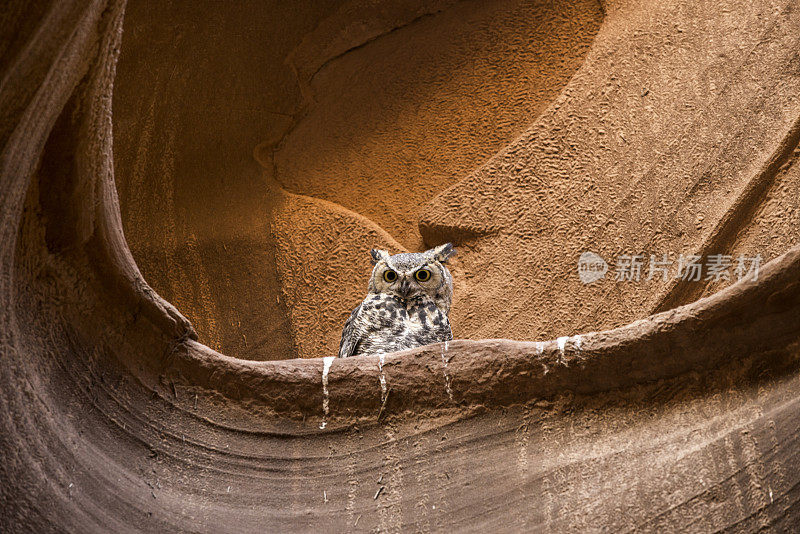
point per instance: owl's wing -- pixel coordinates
(350, 337)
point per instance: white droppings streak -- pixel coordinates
(352, 487)
(539, 347)
(382, 377)
(562, 343)
(447, 387)
(327, 361)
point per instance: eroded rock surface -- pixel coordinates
(251, 169)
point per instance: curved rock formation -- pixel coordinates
(525, 132)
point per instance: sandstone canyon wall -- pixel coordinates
(187, 195)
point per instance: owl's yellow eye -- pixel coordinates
(423, 275)
(390, 276)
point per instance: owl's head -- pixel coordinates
(415, 274)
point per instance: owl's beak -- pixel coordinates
(404, 288)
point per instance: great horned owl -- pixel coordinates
(407, 304)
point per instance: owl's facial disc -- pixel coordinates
(409, 276)
(401, 284)
(415, 283)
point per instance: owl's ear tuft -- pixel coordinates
(378, 255)
(443, 252)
